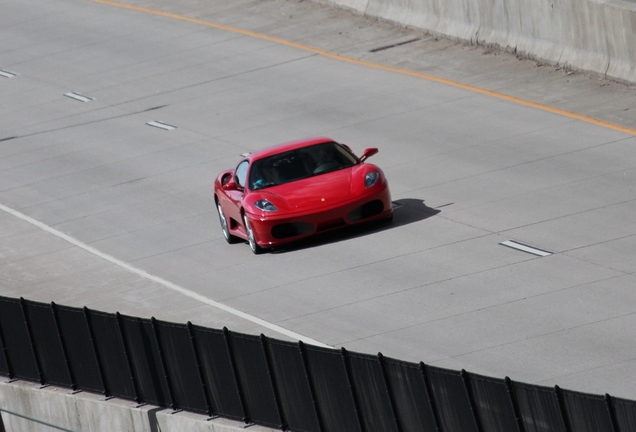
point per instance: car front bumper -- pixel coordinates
(274, 229)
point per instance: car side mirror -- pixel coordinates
(231, 185)
(368, 153)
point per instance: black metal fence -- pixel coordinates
(291, 386)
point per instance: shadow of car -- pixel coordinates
(405, 211)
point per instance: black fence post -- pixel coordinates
(228, 343)
(389, 392)
(471, 398)
(270, 373)
(5, 355)
(515, 404)
(356, 404)
(98, 359)
(173, 404)
(204, 386)
(310, 382)
(34, 351)
(431, 397)
(564, 415)
(131, 368)
(60, 336)
(612, 413)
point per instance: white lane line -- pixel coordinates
(78, 97)
(6, 74)
(525, 248)
(161, 125)
(160, 280)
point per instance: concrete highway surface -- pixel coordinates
(99, 208)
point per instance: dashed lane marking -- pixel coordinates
(525, 248)
(161, 125)
(78, 97)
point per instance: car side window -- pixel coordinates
(241, 173)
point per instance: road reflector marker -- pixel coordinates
(6, 74)
(78, 97)
(525, 248)
(161, 125)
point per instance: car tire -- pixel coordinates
(225, 227)
(251, 237)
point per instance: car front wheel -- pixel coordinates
(225, 228)
(251, 237)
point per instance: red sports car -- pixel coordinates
(294, 190)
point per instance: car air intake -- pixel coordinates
(287, 230)
(370, 209)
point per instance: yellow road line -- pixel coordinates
(377, 66)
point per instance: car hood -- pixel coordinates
(312, 193)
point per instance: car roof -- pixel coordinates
(287, 146)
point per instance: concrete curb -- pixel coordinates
(28, 408)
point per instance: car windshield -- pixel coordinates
(299, 164)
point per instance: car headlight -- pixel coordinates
(371, 178)
(265, 205)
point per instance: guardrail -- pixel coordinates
(285, 385)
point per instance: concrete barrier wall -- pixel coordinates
(27, 408)
(590, 35)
